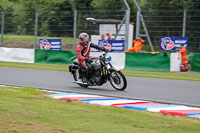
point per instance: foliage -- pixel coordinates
(56, 17)
(107, 4)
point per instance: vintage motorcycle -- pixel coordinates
(102, 71)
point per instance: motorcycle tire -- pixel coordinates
(118, 80)
(76, 78)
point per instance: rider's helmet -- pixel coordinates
(84, 38)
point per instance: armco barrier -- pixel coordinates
(194, 61)
(149, 62)
(53, 56)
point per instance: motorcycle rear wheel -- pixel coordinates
(118, 80)
(76, 78)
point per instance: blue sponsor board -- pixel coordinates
(51, 44)
(112, 45)
(173, 43)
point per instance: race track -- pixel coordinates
(159, 90)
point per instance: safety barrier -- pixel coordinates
(17, 55)
(194, 60)
(146, 61)
(130, 61)
(53, 56)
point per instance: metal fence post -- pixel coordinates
(138, 18)
(36, 22)
(74, 35)
(75, 21)
(147, 33)
(184, 17)
(184, 22)
(118, 29)
(2, 24)
(127, 24)
(138, 23)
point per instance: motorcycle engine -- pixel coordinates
(96, 64)
(97, 73)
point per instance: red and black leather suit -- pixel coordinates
(83, 52)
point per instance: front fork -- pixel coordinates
(72, 68)
(110, 69)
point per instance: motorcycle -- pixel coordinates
(102, 71)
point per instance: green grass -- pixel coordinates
(28, 110)
(51, 67)
(194, 76)
(31, 39)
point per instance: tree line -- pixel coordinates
(54, 16)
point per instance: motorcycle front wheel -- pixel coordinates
(76, 78)
(118, 80)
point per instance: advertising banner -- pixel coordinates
(50, 44)
(112, 45)
(173, 43)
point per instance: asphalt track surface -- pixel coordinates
(151, 89)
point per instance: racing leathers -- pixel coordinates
(83, 53)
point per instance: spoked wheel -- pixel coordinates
(76, 78)
(118, 80)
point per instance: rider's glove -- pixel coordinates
(106, 50)
(88, 60)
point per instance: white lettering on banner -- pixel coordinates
(55, 42)
(177, 45)
(55, 46)
(117, 48)
(180, 41)
(117, 44)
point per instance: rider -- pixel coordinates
(83, 50)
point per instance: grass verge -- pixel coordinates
(52, 67)
(30, 39)
(165, 75)
(28, 110)
(193, 76)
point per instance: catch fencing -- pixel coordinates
(24, 29)
(173, 19)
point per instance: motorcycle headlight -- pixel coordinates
(108, 58)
